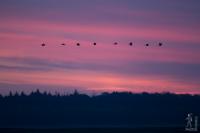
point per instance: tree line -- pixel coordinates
(107, 109)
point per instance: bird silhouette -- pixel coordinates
(115, 43)
(131, 44)
(94, 43)
(63, 44)
(160, 44)
(147, 45)
(78, 44)
(43, 44)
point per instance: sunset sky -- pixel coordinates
(26, 66)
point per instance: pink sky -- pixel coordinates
(26, 66)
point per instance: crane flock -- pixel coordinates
(115, 43)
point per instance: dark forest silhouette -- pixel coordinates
(107, 109)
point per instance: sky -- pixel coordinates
(26, 66)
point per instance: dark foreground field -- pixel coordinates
(124, 112)
(95, 130)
